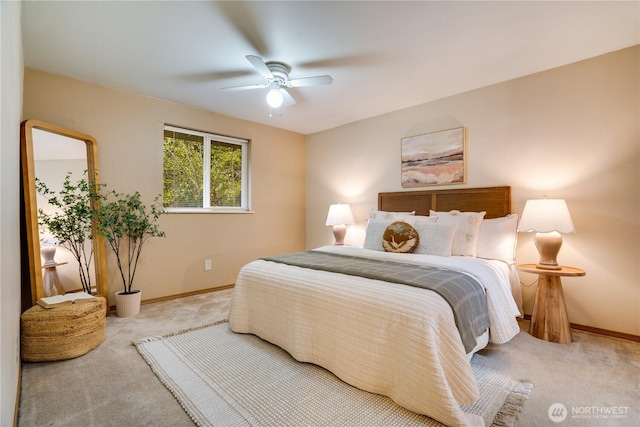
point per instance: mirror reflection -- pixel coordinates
(67, 262)
(59, 166)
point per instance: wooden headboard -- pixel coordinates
(496, 201)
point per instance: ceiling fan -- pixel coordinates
(277, 79)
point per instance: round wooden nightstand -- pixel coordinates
(549, 320)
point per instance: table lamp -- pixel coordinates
(548, 218)
(339, 216)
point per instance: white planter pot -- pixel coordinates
(128, 305)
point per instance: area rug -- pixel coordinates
(225, 379)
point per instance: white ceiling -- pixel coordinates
(383, 56)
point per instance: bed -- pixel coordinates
(376, 332)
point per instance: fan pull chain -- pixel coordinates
(271, 112)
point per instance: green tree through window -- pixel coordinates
(226, 174)
(204, 170)
(183, 170)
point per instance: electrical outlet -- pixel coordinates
(207, 265)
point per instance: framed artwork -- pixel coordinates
(435, 158)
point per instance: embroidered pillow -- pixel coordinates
(400, 237)
(467, 226)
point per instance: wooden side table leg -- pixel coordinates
(549, 320)
(51, 282)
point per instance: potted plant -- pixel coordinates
(69, 225)
(127, 223)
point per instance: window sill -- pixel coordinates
(208, 211)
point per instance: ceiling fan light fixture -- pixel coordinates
(277, 79)
(275, 98)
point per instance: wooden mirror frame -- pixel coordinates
(31, 208)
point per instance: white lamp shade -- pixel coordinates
(546, 215)
(340, 214)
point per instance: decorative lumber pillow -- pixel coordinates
(435, 239)
(377, 226)
(400, 237)
(465, 239)
(375, 231)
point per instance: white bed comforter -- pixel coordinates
(395, 340)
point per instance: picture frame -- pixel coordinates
(436, 158)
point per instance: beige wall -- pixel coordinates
(571, 133)
(11, 64)
(129, 131)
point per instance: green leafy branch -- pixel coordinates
(127, 223)
(71, 223)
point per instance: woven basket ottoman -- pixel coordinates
(62, 332)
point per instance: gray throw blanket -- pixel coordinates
(464, 294)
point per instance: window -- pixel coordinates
(204, 171)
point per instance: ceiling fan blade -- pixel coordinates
(248, 87)
(288, 99)
(248, 26)
(259, 65)
(310, 81)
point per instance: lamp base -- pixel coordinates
(548, 245)
(549, 266)
(339, 231)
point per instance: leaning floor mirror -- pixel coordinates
(65, 251)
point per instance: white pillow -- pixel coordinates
(467, 230)
(419, 219)
(497, 238)
(434, 239)
(374, 232)
(375, 214)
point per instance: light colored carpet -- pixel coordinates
(223, 378)
(110, 385)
